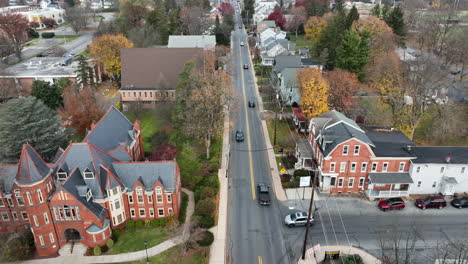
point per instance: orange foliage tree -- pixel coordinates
(314, 92)
(106, 50)
(343, 85)
(314, 26)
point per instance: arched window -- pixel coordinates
(159, 197)
(139, 192)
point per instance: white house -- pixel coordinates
(274, 33)
(439, 170)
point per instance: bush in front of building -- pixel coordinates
(183, 208)
(97, 251)
(18, 246)
(116, 234)
(48, 35)
(140, 223)
(207, 192)
(206, 221)
(205, 207)
(206, 240)
(130, 224)
(352, 259)
(110, 243)
(299, 173)
(32, 33)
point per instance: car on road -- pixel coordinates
(239, 135)
(242, 43)
(263, 194)
(461, 202)
(436, 201)
(246, 66)
(252, 103)
(392, 204)
(297, 219)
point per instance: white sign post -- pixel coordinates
(304, 182)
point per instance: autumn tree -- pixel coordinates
(28, 120)
(299, 18)
(314, 27)
(343, 85)
(190, 19)
(77, 17)
(278, 17)
(353, 53)
(133, 11)
(13, 27)
(314, 92)
(48, 22)
(79, 109)
(106, 50)
(225, 8)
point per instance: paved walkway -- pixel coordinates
(127, 257)
(344, 250)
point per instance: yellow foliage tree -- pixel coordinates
(314, 92)
(314, 26)
(106, 50)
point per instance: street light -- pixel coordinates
(146, 249)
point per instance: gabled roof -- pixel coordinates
(268, 23)
(111, 132)
(389, 142)
(289, 77)
(206, 42)
(287, 61)
(7, 177)
(57, 154)
(31, 167)
(148, 173)
(288, 45)
(440, 155)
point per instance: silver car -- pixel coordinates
(297, 219)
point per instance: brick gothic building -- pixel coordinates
(89, 189)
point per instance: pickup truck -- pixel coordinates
(263, 194)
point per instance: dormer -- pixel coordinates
(88, 174)
(89, 195)
(61, 175)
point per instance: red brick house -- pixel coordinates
(351, 158)
(89, 189)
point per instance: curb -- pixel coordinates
(317, 256)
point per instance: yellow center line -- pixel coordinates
(260, 261)
(247, 130)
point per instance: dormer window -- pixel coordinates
(88, 174)
(89, 195)
(61, 175)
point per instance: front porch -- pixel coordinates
(388, 184)
(304, 155)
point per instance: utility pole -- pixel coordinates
(308, 217)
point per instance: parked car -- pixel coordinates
(252, 103)
(297, 219)
(246, 66)
(242, 43)
(392, 204)
(437, 201)
(461, 202)
(239, 135)
(263, 194)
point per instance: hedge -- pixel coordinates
(207, 239)
(97, 251)
(33, 33)
(205, 207)
(130, 224)
(140, 223)
(206, 221)
(183, 208)
(47, 35)
(116, 234)
(110, 243)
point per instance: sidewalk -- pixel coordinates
(344, 250)
(127, 257)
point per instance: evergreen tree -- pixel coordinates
(28, 120)
(352, 16)
(384, 12)
(395, 20)
(317, 7)
(338, 5)
(182, 93)
(330, 39)
(219, 34)
(70, 3)
(375, 11)
(174, 21)
(159, 20)
(170, 5)
(85, 74)
(49, 94)
(353, 53)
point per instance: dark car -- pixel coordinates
(392, 204)
(461, 202)
(431, 202)
(252, 103)
(263, 194)
(239, 135)
(246, 66)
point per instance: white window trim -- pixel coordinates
(36, 223)
(169, 200)
(342, 182)
(364, 167)
(363, 182)
(345, 147)
(358, 150)
(139, 212)
(385, 167)
(355, 166)
(22, 216)
(7, 216)
(162, 211)
(46, 218)
(351, 182)
(150, 198)
(51, 237)
(39, 194)
(419, 183)
(342, 168)
(418, 169)
(332, 165)
(41, 240)
(15, 216)
(151, 212)
(402, 167)
(132, 213)
(376, 166)
(130, 199)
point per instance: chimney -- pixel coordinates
(448, 158)
(353, 134)
(408, 147)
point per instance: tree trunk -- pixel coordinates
(17, 50)
(296, 33)
(208, 144)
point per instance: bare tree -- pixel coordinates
(144, 37)
(7, 86)
(398, 245)
(451, 252)
(299, 18)
(13, 28)
(190, 19)
(77, 17)
(58, 51)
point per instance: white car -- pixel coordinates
(242, 43)
(297, 219)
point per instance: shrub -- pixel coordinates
(47, 35)
(97, 251)
(183, 208)
(285, 178)
(147, 222)
(206, 221)
(211, 181)
(299, 173)
(154, 223)
(140, 223)
(207, 239)
(19, 246)
(116, 234)
(32, 33)
(205, 207)
(171, 222)
(162, 222)
(207, 192)
(110, 243)
(130, 224)
(352, 259)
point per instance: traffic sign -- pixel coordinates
(283, 170)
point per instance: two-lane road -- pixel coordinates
(254, 231)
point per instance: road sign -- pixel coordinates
(283, 170)
(305, 181)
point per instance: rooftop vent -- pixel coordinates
(448, 158)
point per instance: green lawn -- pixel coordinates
(84, 53)
(67, 38)
(134, 239)
(151, 122)
(174, 255)
(301, 41)
(285, 134)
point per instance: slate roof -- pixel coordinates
(31, 167)
(268, 23)
(76, 180)
(290, 77)
(287, 61)
(309, 62)
(334, 128)
(390, 178)
(389, 142)
(288, 45)
(57, 154)
(437, 155)
(148, 173)
(7, 177)
(94, 228)
(207, 42)
(148, 67)
(305, 148)
(112, 131)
